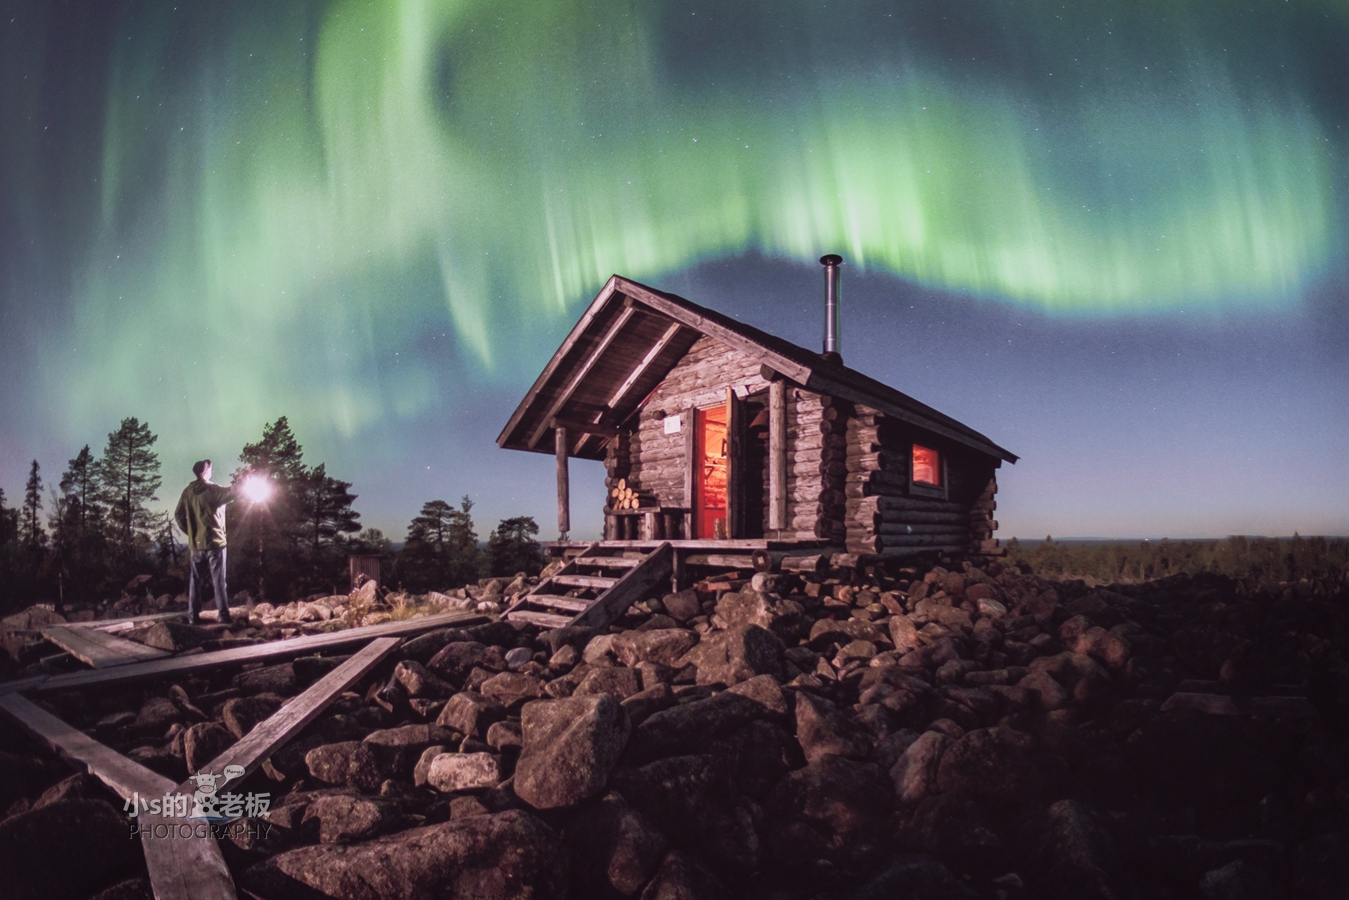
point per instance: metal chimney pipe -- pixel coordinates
(831, 263)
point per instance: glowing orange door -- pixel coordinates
(710, 459)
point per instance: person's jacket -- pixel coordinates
(201, 514)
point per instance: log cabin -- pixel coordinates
(715, 434)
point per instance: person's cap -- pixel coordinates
(200, 466)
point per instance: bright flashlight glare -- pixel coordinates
(257, 488)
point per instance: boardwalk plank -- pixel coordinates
(184, 867)
(98, 649)
(270, 734)
(177, 666)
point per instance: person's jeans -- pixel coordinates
(207, 565)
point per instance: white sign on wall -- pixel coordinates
(673, 424)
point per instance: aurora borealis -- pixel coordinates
(379, 219)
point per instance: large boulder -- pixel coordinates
(203, 742)
(1076, 857)
(450, 772)
(692, 799)
(737, 655)
(240, 714)
(1001, 765)
(512, 689)
(620, 681)
(824, 730)
(456, 659)
(278, 679)
(614, 848)
(507, 856)
(692, 727)
(828, 810)
(398, 749)
(346, 762)
(662, 645)
(420, 681)
(344, 818)
(66, 850)
(569, 746)
(682, 877)
(471, 713)
(915, 773)
(174, 637)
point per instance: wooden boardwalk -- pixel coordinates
(98, 648)
(190, 866)
(176, 666)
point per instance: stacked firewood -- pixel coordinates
(618, 466)
(623, 497)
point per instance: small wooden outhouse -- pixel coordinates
(714, 433)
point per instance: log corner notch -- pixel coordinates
(563, 482)
(982, 523)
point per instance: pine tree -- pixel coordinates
(326, 517)
(33, 535)
(128, 477)
(512, 548)
(326, 504)
(441, 550)
(79, 487)
(278, 455)
(79, 544)
(272, 535)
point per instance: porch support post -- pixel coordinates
(777, 455)
(563, 483)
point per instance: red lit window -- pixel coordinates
(926, 465)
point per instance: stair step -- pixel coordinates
(586, 581)
(546, 620)
(610, 562)
(572, 604)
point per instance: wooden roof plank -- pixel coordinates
(181, 665)
(572, 338)
(640, 369)
(273, 732)
(99, 649)
(709, 325)
(581, 372)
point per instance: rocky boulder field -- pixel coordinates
(961, 732)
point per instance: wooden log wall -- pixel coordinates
(817, 427)
(655, 464)
(883, 515)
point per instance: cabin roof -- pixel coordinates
(630, 338)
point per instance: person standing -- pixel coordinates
(201, 516)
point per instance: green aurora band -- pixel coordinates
(297, 189)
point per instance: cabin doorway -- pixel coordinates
(711, 472)
(730, 458)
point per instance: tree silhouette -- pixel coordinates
(129, 476)
(33, 534)
(442, 547)
(512, 547)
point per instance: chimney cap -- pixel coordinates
(831, 259)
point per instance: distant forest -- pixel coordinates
(1257, 559)
(82, 539)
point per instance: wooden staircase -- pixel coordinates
(595, 588)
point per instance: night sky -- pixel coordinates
(1110, 236)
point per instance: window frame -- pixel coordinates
(923, 488)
